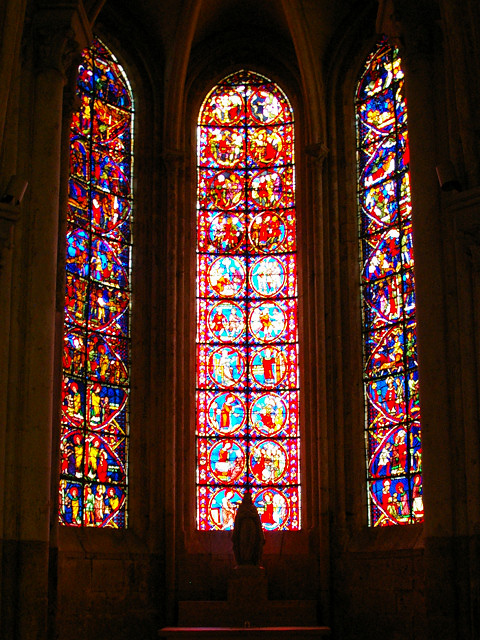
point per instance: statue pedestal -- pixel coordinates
(247, 584)
(247, 605)
(247, 612)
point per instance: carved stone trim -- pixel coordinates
(9, 215)
(389, 22)
(318, 151)
(408, 25)
(173, 159)
(470, 241)
(465, 210)
(71, 100)
(60, 35)
(54, 49)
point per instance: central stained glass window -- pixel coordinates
(247, 428)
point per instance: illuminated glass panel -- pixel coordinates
(96, 355)
(393, 431)
(247, 430)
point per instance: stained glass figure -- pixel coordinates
(393, 431)
(96, 357)
(247, 428)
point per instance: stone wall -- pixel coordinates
(416, 583)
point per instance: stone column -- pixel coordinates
(461, 33)
(314, 227)
(176, 305)
(58, 35)
(463, 209)
(11, 25)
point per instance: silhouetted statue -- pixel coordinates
(247, 538)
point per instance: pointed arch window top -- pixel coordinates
(246, 96)
(101, 76)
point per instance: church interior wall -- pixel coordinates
(416, 582)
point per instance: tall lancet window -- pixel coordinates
(392, 410)
(96, 356)
(247, 429)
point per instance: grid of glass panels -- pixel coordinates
(393, 431)
(247, 430)
(96, 355)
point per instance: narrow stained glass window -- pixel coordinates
(247, 429)
(96, 355)
(393, 432)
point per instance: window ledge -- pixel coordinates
(388, 539)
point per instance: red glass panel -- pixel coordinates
(393, 433)
(247, 334)
(96, 358)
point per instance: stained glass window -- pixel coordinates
(247, 429)
(96, 355)
(392, 410)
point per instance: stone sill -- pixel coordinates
(397, 539)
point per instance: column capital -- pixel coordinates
(71, 100)
(408, 25)
(389, 21)
(317, 151)
(464, 208)
(173, 159)
(9, 215)
(61, 32)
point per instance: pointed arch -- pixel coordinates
(392, 409)
(96, 356)
(247, 427)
